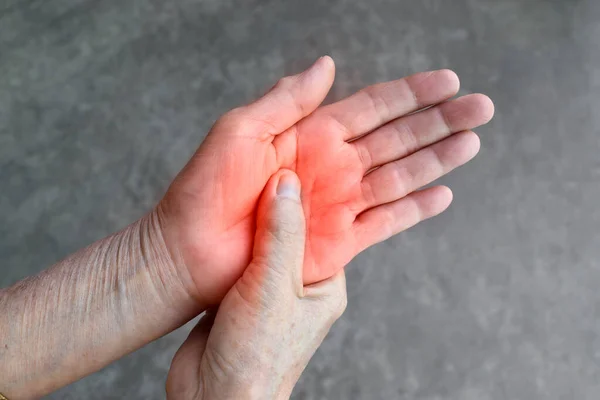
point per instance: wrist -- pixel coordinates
(91, 308)
(187, 257)
(164, 264)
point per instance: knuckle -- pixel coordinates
(236, 113)
(389, 223)
(232, 119)
(332, 123)
(284, 231)
(338, 307)
(443, 116)
(339, 299)
(402, 178)
(285, 82)
(286, 221)
(365, 157)
(368, 193)
(379, 103)
(408, 141)
(342, 305)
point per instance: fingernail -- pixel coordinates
(289, 187)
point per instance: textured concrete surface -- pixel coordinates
(101, 103)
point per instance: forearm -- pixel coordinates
(90, 309)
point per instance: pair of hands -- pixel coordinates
(274, 266)
(269, 324)
(359, 161)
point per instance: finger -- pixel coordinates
(280, 237)
(186, 362)
(378, 104)
(329, 297)
(291, 99)
(380, 223)
(406, 135)
(196, 340)
(399, 178)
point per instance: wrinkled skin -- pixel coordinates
(269, 325)
(360, 160)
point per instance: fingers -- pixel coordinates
(406, 135)
(280, 237)
(381, 223)
(196, 340)
(182, 381)
(290, 100)
(399, 178)
(378, 104)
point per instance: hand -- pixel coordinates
(268, 326)
(360, 161)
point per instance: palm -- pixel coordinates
(331, 173)
(332, 150)
(212, 206)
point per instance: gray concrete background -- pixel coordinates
(102, 102)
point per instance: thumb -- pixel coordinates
(280, 234)
(293, 97)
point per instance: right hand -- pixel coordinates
(268, 326)
(208, 215)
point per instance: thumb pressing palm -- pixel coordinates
(269, 325)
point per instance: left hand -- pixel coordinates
(268, 326)
(209, 211)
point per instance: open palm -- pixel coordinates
(360, 162)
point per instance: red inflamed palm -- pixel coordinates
(361, 162)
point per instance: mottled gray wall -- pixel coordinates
(101, 103)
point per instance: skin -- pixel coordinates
(88, 310)
(360, 162)
(209, 212)
(269, 325)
